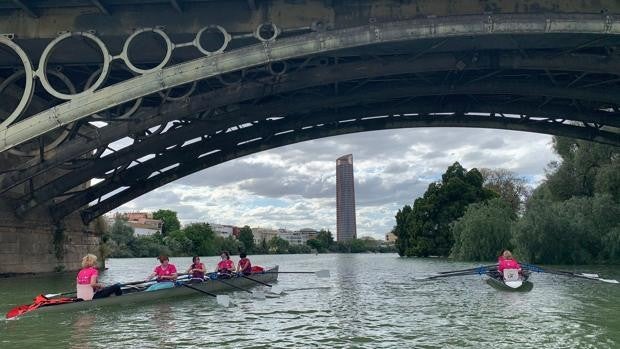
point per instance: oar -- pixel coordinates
(222, 299)
(588, 276)
(321, 273)
(272, 289)
(50, 295)
(257, 295)
(469, 269)
(478, 271)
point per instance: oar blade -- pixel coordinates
(260, 295)
(588, 275)
(276, 290)
(51, 295)
(323, 273)
(223, 300)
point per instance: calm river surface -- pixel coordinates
(370, 301)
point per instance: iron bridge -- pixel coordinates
(186, 85)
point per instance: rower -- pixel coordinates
(197, 270)
(87, 286)
(244, 266)
(165, 272)
(507, 262)
(226, 266)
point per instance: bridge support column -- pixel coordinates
(34, 244)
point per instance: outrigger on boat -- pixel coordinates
(513, 279)
(139, 292)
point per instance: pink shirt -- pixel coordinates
(169, 270)
(86, 274)
(508, 264)
(225, 265)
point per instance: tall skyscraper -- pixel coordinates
(345, 199)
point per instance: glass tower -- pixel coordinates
(345, 199)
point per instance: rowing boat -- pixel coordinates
(139, 294)
(513, 282)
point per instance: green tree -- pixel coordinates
(483, 231)
(426, 229)
(579, 230)
(316, 245)
(510, 188)
(121, 232)
(171, 222)
(202, 238)
(326, 238)
(278, 245)
(229, 244)
(246, 237)
(585, 169)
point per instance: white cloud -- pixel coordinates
(294, 186)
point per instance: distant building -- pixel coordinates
(346, 228)
(299, 237)
(142, 223)
(222, 230)
(390, 238)
(261, 234)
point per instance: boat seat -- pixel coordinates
(511, 274)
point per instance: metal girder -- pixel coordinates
(294, 47)
(25, 8)
(158, 143)
(190, 161)
(374, 94)
(101, 7)
(295, 81)
(177, 7)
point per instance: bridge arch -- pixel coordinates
(536, 73)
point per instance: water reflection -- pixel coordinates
(80, 334)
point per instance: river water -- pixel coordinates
(370, 301)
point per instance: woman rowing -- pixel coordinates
(88, 287)
(197, 269)
(165, 272)
(244, 266)
(505, 261)
(226, 266)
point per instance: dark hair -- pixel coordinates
(163, 258)
(242, 255)
(195, 258)
(226, 253)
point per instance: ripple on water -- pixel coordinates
(370, 301)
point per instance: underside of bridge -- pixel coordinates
(104, 101)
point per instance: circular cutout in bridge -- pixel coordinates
(52, 46)
(212, 39)
(149, 44)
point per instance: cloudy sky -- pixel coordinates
(294, 187)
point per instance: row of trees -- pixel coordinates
(199, 239)
(572, 217)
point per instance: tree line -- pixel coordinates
(120, 241)
(572, 217)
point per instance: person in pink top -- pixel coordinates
(244, 266)
(165, 272)
(226, 266)
(507, 262)
(87, 286)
